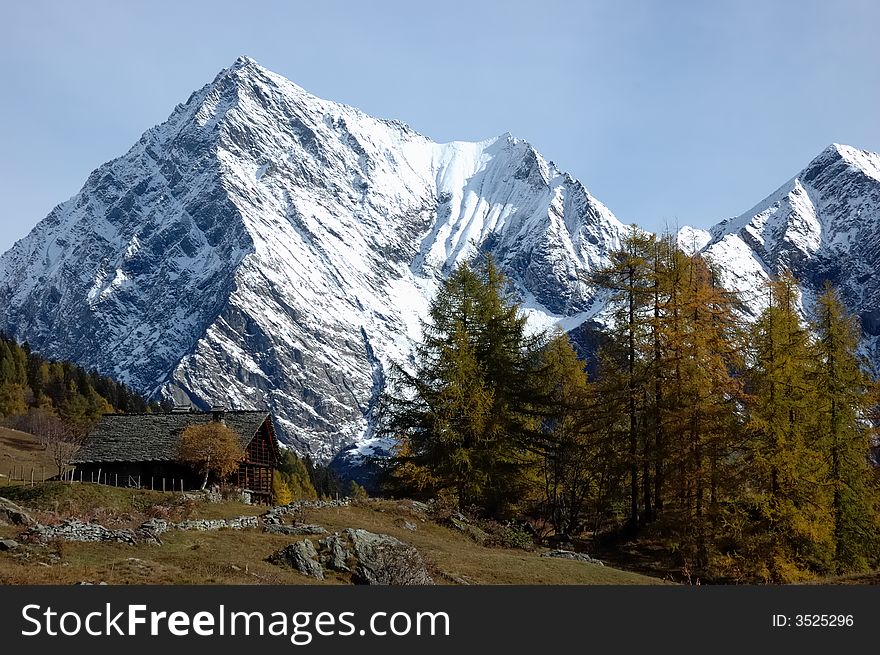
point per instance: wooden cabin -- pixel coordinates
(140, 450)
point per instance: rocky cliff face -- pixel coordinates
(264, 247)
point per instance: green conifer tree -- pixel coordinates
(788, 533)
(570, 442)
(630, 279)
(844, 406)
(461, 418)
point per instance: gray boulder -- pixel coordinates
(335, 553)
(8, 544)
(372, 559)
(12, 513)
(301, 556)
(568, 554)
(384, 560)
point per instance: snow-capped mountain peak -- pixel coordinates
(266, 247)
(823, 224)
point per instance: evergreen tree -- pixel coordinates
(357, 492)
(293, 474)
(788, 530)
(630, 279)
(462, 419)
(844, 405)
(324, 480)
(13, 399)
(577, 461)
(78, 397)
(701, 352)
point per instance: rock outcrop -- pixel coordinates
(372, 559)
(301, 556)
(570, 554)
(13, 514)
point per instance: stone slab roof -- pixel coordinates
(154, 437)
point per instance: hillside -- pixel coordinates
(239, 556)
(21, 452)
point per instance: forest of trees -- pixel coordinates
(742, 448)
(59, 402)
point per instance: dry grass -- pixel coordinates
(116, 506)
(454, 557)
(238, 557)
(222, 557)
(22, 451)
(868, 578)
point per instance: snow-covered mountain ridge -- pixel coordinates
(264, 247)
(823, 224)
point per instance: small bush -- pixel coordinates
(508, 535)
(357, 492)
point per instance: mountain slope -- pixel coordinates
(267, 247)
(823, 224)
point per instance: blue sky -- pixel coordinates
(669, 112)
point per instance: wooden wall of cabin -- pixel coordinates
(255, 473)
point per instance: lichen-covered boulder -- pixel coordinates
(301, 556)
(384, 560)
(335, 553)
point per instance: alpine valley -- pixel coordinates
(266, 248)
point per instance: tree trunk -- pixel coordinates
(207, 473)
(633, 434)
